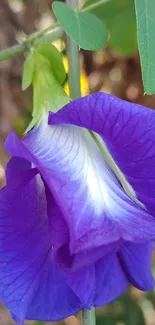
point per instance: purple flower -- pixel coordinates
(77, 214)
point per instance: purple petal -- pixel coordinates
(111, 280)
(16, 167)
(60, 240)
(19, 258)
(59, 232)
(99, 213)
(68, 166)
(136, 261)
(26, 262)
(83, 283)
(100, 283)
(128, 131)
(54, 299)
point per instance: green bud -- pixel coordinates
(48, 94)
(53, 55)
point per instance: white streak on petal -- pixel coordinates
(127, 187)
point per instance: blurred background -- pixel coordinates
(116, 70)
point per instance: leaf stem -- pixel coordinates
(88, 317)
(35, 38)
(50, 37)
(12, 51)
(40, 33)
(73, 61)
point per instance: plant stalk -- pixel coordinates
(33, 39)
(73, 61)
(88, 317)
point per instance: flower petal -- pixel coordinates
(82, 283)
(59, 232)
(25, 250)
(60, 240)
(111, 280)
(54, 299)
(70, 161)
(136, 261)
(19, 259)
(128, 131)
(100, 283)
(15, 167)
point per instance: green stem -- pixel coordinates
(19, 49)
(88, 317)
(73, 61)
(40, 33)
(50, 37)
(12, 51)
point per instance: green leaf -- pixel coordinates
(28, 71)
(145, 11)
(84, 28)
(55, 59)
(119, 18)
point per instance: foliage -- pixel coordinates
(77, 25)
(145, 11)
(119, 17)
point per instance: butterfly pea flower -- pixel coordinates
(77, 218)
